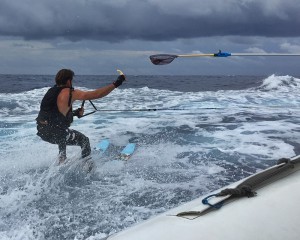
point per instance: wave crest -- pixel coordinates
(280, 83)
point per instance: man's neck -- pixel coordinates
(64, 85)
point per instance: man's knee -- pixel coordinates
(85, 141)
(86, 147)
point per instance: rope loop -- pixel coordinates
(216, 206)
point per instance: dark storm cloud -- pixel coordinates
(148, 19)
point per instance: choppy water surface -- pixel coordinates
(213, 131)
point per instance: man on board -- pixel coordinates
(56, 113)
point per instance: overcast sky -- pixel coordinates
(99, 36)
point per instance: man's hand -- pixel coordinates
(78, 112)
(119, 81)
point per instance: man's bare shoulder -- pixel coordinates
(79, 94)
(64, 94)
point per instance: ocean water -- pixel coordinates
(207, 132)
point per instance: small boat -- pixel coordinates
(265, 205)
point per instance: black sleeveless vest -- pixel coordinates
(49, 111)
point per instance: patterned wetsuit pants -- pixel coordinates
(64, 137)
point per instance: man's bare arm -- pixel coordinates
(90, 95)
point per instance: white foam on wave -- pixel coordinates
(257, 139)
(281, 83)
